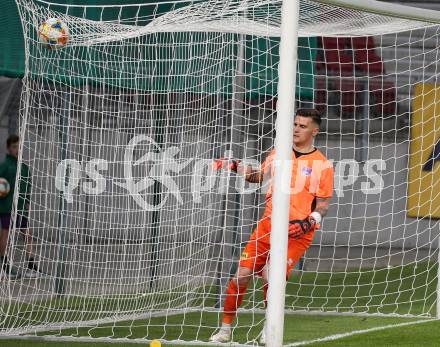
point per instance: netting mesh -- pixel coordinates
(256, 17)
(120, 129)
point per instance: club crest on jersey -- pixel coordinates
(306, 171)
(244, 256)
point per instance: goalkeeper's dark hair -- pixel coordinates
(11, 140)
(310, 113)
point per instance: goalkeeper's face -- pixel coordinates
(304, 131)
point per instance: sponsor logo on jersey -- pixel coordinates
(306, 171)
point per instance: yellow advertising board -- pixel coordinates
(424, 161)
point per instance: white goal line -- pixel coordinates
(357, 332)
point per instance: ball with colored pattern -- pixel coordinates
(53, 33)
(4, 187)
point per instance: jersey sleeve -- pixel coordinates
(325, 187)
(267, 163)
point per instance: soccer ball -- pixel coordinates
(4, 187)
(53, 33)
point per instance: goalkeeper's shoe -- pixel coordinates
(223, 335)
(28, 273)
(33, 270)
(33, 265)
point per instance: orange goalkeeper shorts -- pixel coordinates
(256, 253)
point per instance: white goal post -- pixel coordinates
(136, 232)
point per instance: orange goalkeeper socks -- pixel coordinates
(234, 298)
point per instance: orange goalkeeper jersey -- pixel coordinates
(312, 177)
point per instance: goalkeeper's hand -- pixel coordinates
(226, 164)
(301, 227)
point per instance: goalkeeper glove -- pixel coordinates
(226, 164)
(301, 227)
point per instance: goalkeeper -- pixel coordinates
(311, 192)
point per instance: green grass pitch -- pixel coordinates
(405, 290)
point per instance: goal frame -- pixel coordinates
(386, 9)
(284, 128)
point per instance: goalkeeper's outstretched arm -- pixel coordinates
(250, 174)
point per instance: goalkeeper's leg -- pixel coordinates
(5, 268)
(234, 297)
(235, 293)
(253, 259)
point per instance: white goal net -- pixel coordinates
(135, 232)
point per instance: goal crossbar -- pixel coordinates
(388, 9)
